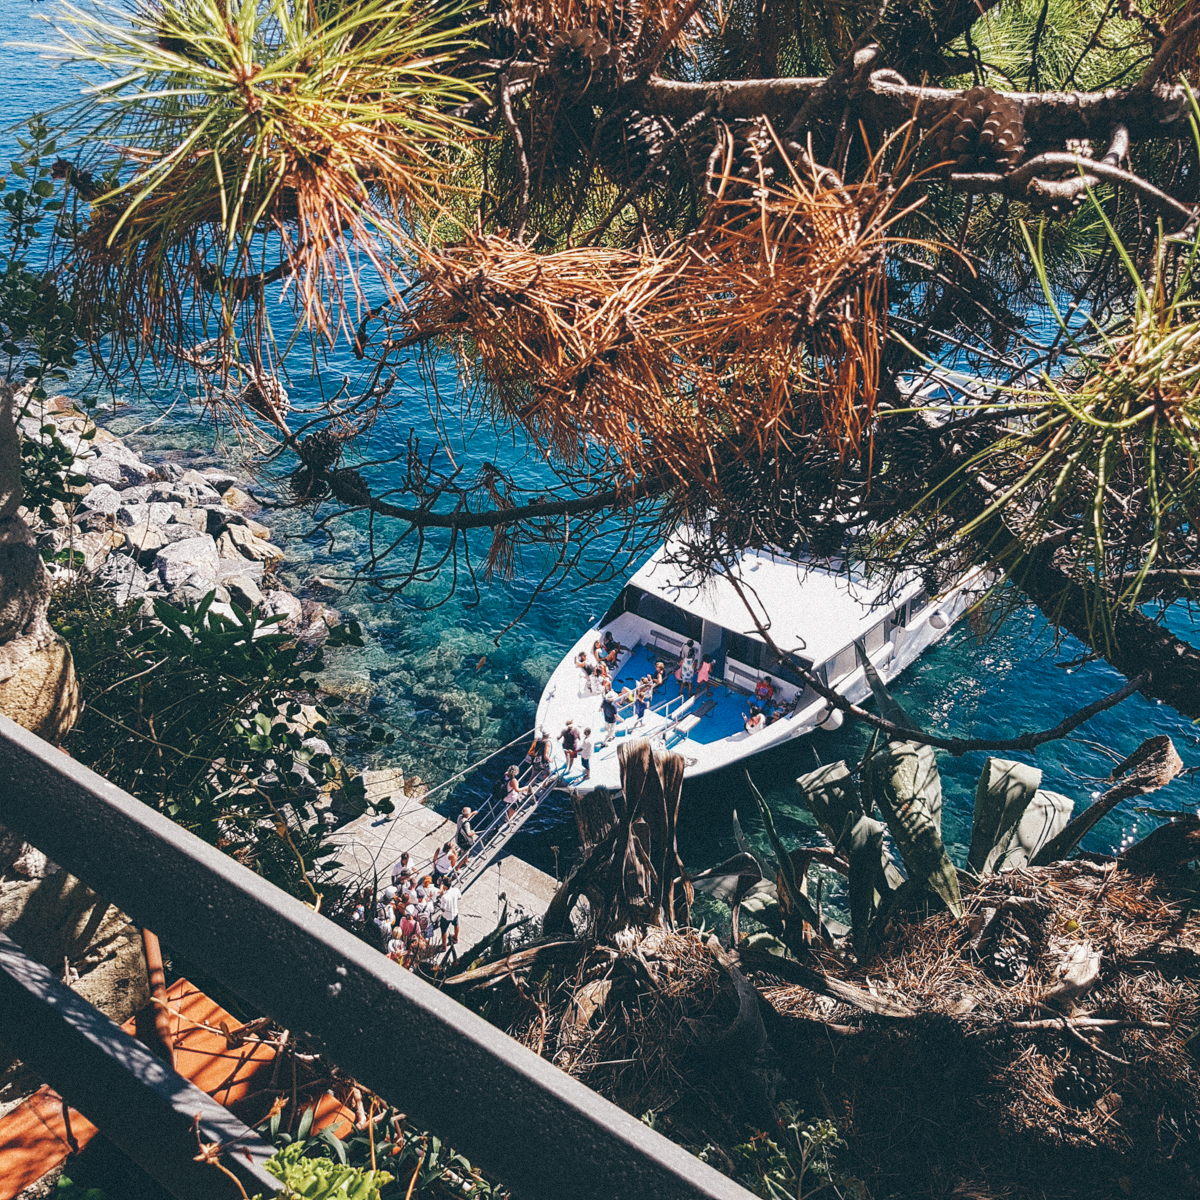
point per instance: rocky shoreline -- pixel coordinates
(145, 531)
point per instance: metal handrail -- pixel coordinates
(494, 835)
(535, 1128)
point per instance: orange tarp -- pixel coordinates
(35, 1138)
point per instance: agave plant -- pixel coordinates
(268, 140)
(891, 803)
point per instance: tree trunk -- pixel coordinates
(38, 688)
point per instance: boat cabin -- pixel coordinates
(813, 609)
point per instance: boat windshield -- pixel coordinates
(656, 610)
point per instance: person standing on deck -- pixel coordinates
(608, 710)
(687, 669)
(703, 675)
(570, 744)
(585, 753)
(514, 791)
(401, 871)
(448, 912)
(465, 835)
(641, 700)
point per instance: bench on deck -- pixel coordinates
(664, 645)
(685, 725)
(739, 679)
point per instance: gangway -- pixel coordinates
(504, 820)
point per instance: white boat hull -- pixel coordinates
(564, 698)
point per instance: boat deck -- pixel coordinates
(711, 716)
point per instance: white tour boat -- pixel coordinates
(816, 610)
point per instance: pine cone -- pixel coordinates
(621, 21)
(1082, 1081)
(321, 450)
(581, 59)
(983, 131)
(753, 148)
(509, 32)
(627, 149)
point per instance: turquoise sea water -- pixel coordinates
(454, 694)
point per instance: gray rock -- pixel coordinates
(222, 608)
(233, 568)
(238, 540)
(133, 470)
(195, 588)
(244, 592)
(193, 518)
(169, 493)
(216, 478)
(220, 516)
(123, 577)
(180, 559)
(138, 514)
(198, 481)
(234, 497)
(104, 470)
(146, 537)
(142, 493)
(276, 603)
(170, 470)
(317, 745)
(177, 533)
(96, 547)
(103, 498)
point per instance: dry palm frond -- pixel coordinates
(268, 140)
(761, 327)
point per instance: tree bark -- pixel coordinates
(1050, 117)
(38, 688)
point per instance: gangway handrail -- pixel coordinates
(496, 835)
(539, 1131)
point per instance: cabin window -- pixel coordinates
(900, 617)
(874, 640)
(758, 657)
(917, 603)
(657, 610)
(842, 664)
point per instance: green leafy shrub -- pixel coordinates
(66, 1190)
(421, 1166)
(38, 331)
(798, 1161)
(207, 719)
(323, 1179)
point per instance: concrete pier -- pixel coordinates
(368, 846)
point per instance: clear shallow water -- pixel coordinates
(455, 695)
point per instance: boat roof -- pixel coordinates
(812, 608)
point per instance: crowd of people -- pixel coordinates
(417, 915)
(694, 674)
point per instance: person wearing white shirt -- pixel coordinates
(448, 911)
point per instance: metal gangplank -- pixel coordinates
(499, 826)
